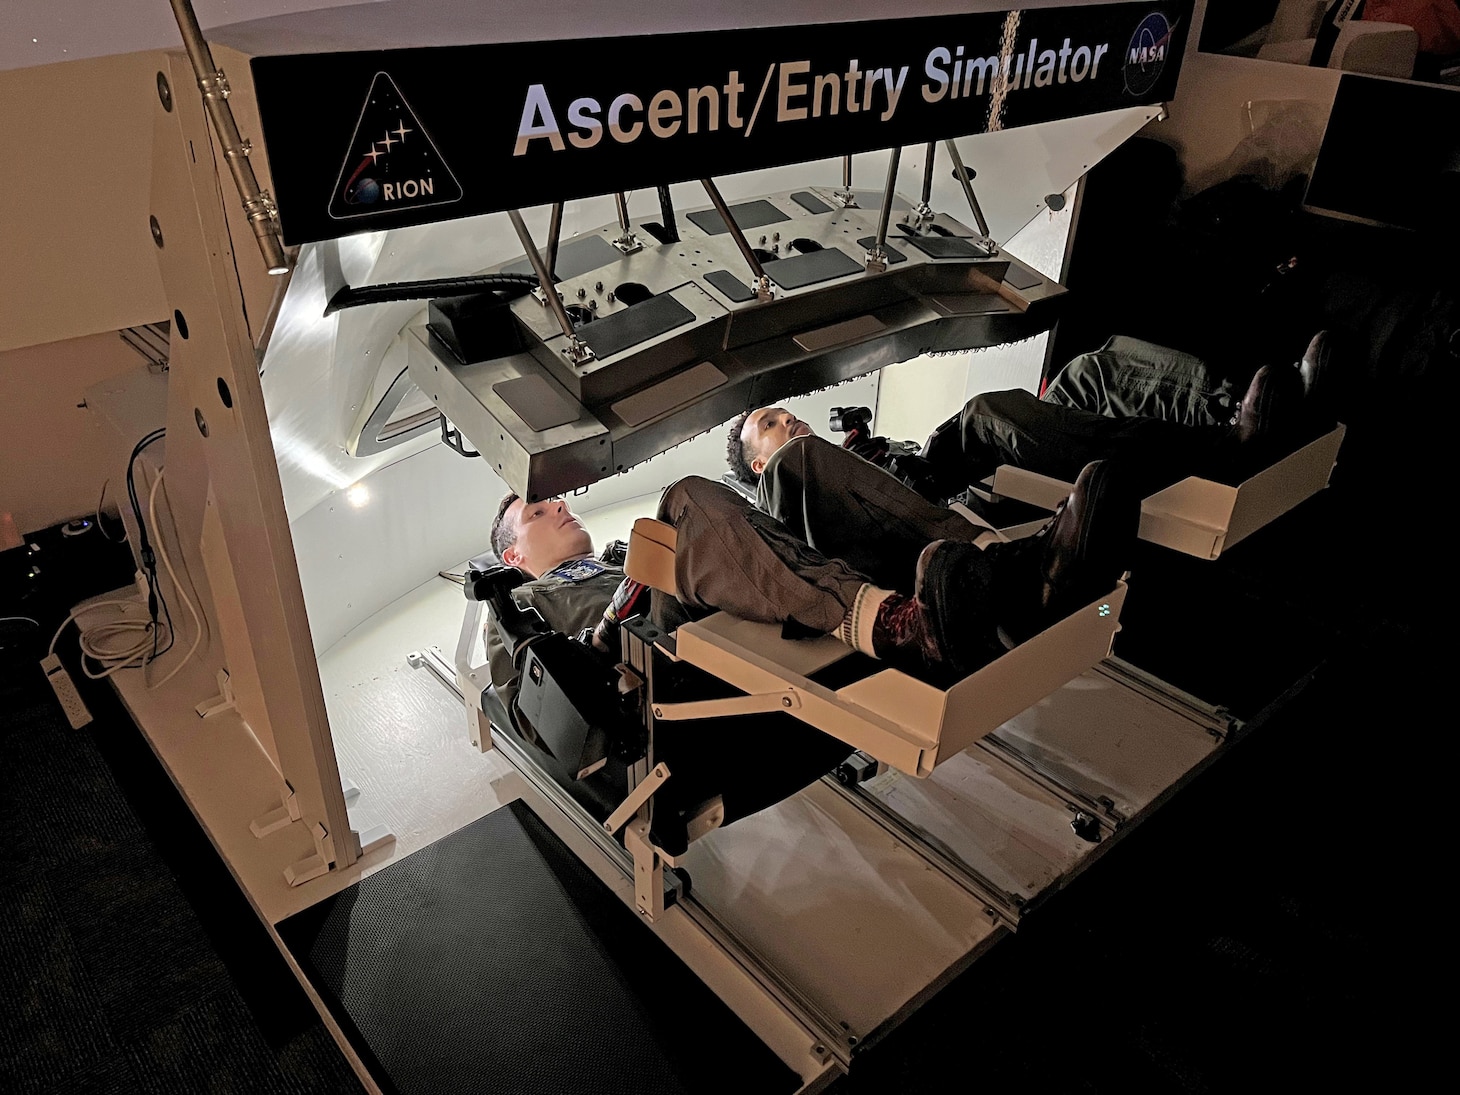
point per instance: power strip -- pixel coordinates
(65, 689)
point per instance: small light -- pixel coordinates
(358, 495)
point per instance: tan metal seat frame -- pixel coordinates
(899, 720)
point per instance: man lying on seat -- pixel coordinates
(1088, 413)
(910, 582)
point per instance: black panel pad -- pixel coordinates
(800, 270)
(1021, 279)
(493, 961)
(948, 247)
(747, 215)
(810, 202)
(731, 286)
(638, 323)
(894, 256)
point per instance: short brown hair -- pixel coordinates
(504, 532)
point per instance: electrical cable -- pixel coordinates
(108, 644)
(100, 524)
(155, 599)
(509, 286)
(167, 563)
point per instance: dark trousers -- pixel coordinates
(829, 522)
(1015, 427)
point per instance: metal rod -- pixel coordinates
(847, 174)
(929, 158)
(623, 211)
(962, 173)
(555, 230)
(258, 206)
(735, 233)
(886, 215)
(544, 279)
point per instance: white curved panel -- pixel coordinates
(1017, 169)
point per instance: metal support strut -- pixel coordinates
(924, 211)
(578, 351)
(763, 288)
(258, 206)
(627, 242)
(877, 257)
(962, 173)
(844, 196)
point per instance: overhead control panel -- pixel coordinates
(675, 338)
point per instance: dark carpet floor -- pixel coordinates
(129, 962)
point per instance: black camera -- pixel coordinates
(851, 419)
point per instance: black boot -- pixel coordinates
(1089, 543)
(1321, 370)
(1268, 426)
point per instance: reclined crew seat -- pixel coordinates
(879, 711)
(720, 773)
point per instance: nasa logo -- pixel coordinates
(391, 161)
(1145, 59)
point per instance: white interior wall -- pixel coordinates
(57, 452)
(916, 396)
(79, 256)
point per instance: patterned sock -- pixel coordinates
(858, 624)
(900, 632)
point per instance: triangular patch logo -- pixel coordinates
(392, 164)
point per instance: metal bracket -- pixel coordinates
(452, 438)
(637, 797)
(313, 866)
(578, 351)
(222, 702)
(277, 819)
(788, 699)
(648, 871)
(629, 244)
(215, 86)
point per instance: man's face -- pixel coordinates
(548, 533)
(767, 429)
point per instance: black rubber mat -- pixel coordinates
(948, 247)
(730, 285)
(494, 961)
(799, 271)
(1021, 279)
(810, 202)
(639, 323)
(894, 256)
(748, 215)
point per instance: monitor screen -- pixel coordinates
(1390, 155)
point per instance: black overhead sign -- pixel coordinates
(381, 139)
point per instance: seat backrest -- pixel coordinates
(1377, 49)
(1296, 20)
(651, 555)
